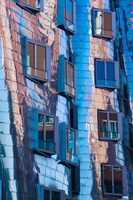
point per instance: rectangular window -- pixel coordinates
(130, 132)
(66, 15)
(69, 78)
(36, 60)
(46, 133)
(71, 146)
(66, 77)
(106, 74)
(104, 23)
(69, 137)
(54, 195)
(32, 6)
(109, 125)
(112, 180)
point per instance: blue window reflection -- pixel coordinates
(105, 74)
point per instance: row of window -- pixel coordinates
(56, 195)
(59, 138)
(113, 183)
(103, 22)
(36, 61)
(55, 138)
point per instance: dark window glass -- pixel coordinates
(131, 135)
(105, 73)
(100, 70)
(112, 180)
(110, 71)
(117, 180)
(108, 179)
(47, 194)
(56, 195)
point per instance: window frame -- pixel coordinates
(119, 125)
(116, 74)
(68, 154)
(113, 17)
(62, 18)
(112, 180)
(24, 44)
(63, 127)
(63, 88)
(29, 8)
(62, 193)
(56, 142)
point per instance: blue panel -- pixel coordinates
(100, 70)
(24, 53)
(60, 12)
(40, 192)
(61, 73)
(110, 71)
(62, 141)
(0, 189)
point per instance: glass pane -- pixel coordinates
(131, 135)
(117, 180)
(69, 10)
(113, 125)
(47, 194)
(107, 24)
(41, 127)
(33, 3)
(50, 129)
(108, 179)
(56, 196)
(65, 72)
(70, 141)
(100, 73)
(110, 71)
(98, 22)
(31, 55)
(41, 56)
(103, 125)
(70, 75)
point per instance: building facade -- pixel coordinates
(66, 100)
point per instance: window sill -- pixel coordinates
(109, 139)
(103, 36)
(113, 194)
(43, 152)
(67, 95)
(106, 87)
(36, 79)
(29, 8)
(65, 28)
